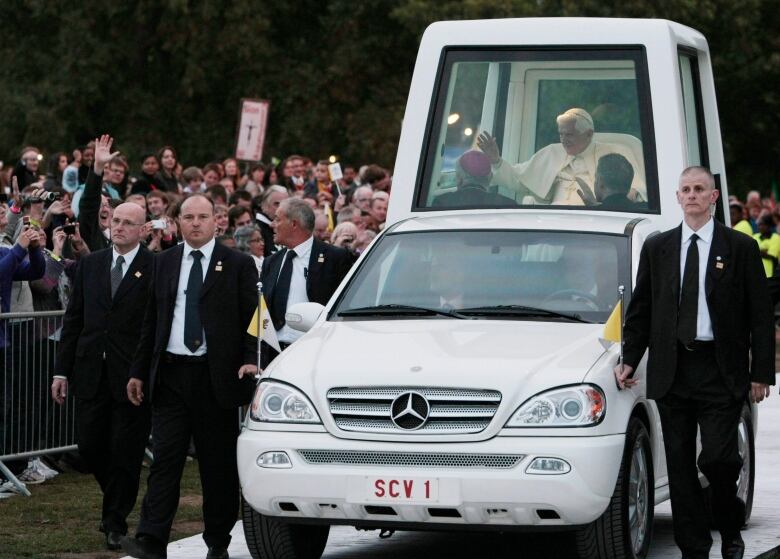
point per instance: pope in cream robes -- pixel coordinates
(551, 175)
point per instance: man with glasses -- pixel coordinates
(361, 199)
(562, 173)
(99, 333)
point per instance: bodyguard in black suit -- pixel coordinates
(307, 270)
(193, 366)
(702, 306)
(99, 334)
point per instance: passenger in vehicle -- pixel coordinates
(448, 283)
(472, 177)
(613, 182)
(550, 176)
(586, 278)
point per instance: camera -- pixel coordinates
(46, 197)
(69, 228)
(159, 224)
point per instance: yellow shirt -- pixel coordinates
(772, 248)
(744, 227)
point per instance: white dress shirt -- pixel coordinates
(176, 339)
(703, 322)
(258, 263)
(129, 257)
(297, 286)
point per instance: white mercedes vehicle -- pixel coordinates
(458, 378)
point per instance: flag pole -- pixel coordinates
(622, 292)
(259, 324)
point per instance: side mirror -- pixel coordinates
(302, 316)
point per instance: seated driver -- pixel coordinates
(551, 175)
(472, 176)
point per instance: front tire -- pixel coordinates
(270, 538)
(625, 529)
(747, 451)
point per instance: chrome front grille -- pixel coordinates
(417, 459)
(452, 411)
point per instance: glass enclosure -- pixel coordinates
(491, 274)
(541, 122)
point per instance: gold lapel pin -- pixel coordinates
(321, 258)
(138, 274)
(718, 263)
(218, 267)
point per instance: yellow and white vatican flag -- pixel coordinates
(613, 327)
(331, 219)
(268, 333)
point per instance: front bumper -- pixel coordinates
(342, 493)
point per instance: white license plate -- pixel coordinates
(402, 490)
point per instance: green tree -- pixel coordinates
(336, 72)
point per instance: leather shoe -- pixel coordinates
(113, 541)
(733, 548)
(143, 547)
(217, 553)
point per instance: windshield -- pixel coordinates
(533, 275)
(542, 128)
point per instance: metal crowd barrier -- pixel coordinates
(31, 424)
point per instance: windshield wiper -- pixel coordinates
(520, 310)
(398, 310)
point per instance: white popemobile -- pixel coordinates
(457, 378)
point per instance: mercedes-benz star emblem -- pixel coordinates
(410, 411)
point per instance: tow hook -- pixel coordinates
(384, 533)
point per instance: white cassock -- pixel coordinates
(550, 175)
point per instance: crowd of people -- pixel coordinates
(52, 217)
(760, 218)
(69, 205)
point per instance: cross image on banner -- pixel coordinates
(252, 123)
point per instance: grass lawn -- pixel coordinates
(61, 518)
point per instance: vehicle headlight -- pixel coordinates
(282, 403)
(572, 406)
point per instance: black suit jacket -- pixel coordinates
(228, 300)
(95, 325)
(327, 267)
(89, 213)
(737, 299)
(267, 232)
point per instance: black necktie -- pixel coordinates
(689, 295)
(282, 290)
(116, 274)
(193, 329)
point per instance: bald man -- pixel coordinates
(99, 335)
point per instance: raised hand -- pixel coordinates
(16, 196)
(488, 145)
(586, 193)
(27, 237)
(103, 152)
(58, 241)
